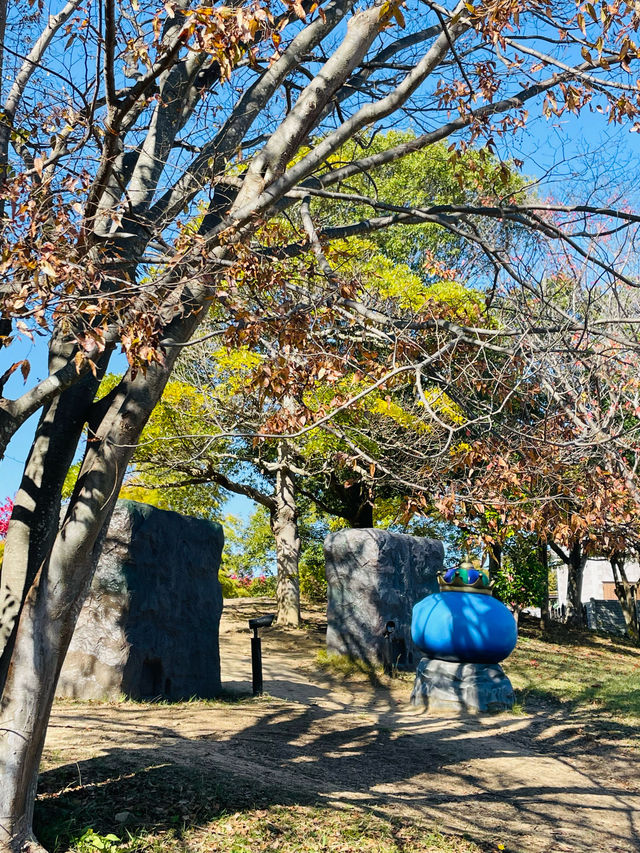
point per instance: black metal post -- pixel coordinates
(256, 650)
(256, 663)
(387, 655)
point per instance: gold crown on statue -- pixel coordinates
(466, 578)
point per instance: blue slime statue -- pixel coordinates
(463, 622)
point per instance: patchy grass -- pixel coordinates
(579, 670)
(175, 809)
(226, 697)
(345, 666)
(300, 829)
(305, 829)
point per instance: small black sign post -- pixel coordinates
(256, 650)
(387, 649)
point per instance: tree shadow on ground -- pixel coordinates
(468, 775)
(145, 792)
(564, 635)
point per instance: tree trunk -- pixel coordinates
(39, 632)
(353, 501)
(36, 511)
(35, 651)
(495, 560)
(577, 559)
(46, 625)
(284, 523)
(363, 517)
(358, 504)
(56, 586)
(544, 605)
(626, 594)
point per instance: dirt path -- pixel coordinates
(529, 782)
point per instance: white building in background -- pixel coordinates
(597, 580)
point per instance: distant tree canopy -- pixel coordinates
(424, 435)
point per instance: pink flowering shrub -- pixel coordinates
(234, 586)
(262, 585)
(5, 514)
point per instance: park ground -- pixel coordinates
(334, 759)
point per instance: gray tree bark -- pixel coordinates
(495, 559)
(56, 564)
(284, 523)
(577, 560)
(544, 610)
(626, 593)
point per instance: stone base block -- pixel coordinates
(468, 687)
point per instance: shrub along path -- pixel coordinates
(342, 763)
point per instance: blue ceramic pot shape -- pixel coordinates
(464, 626)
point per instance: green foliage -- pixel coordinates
(182, 411)
(249, 559)
(391, 514)
(70, 481)
(522, 578)
(179, 411)
(201, 500)
(230, 586)
(360, 257)
(263, 585)
(313, 582)
(231, 370)
(90, 842)
(432, 176)
(314, 526)
(249, 545)
(464, 302)
(391, 279)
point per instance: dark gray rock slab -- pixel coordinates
(373, 577)
(461, 687)
(149, 626)
(607, 616)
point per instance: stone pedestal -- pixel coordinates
(374, 577)
(149, 626)
(463, 687)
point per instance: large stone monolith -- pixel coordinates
(375, 577)
(149, 627)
